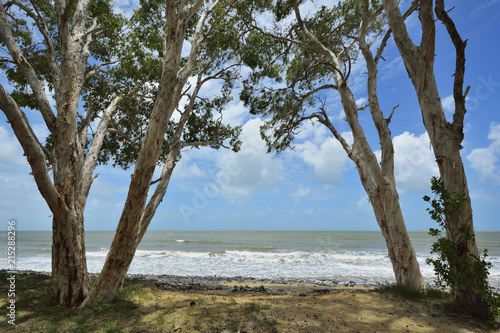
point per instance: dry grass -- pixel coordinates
(141, 307)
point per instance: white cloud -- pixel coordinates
(41, 132)
(310, 211)
(414, 162)
(484, 160)
(234, 114)
(125, 7)
(301, 192)
(481, 8)
(183, 170)
(361, 101)
(364, 204)
(390, 69)
(448, 104)
(328, 159)
(251, 168)
(11, 152)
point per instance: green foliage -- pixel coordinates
(290, 80)
(126, 56)
(141, 54)
(454, 267)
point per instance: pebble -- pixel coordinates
(185, 283)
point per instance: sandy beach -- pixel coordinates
(229, 305)
(305, 307)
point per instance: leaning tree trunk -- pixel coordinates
(446, 137)
(382, 190)
(378, 181)
(380, 187)
(385, 204)
(174, 76)
(122, 250)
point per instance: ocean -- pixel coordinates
(327, 256)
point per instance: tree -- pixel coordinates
(446, 137)
(137, 215)
(67, 31)
(131, 95)
(315, 55)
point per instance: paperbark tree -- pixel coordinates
(63, 58)
(316, 56)
(126, 96)
(137, 213)
(446, 137)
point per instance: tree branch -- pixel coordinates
(286, 39)
(197, 40)
(405, 45)
(428, 41)
(96, 69)
(32, 150)
(325, 120)
(319, 47)
(383, 44)
(201, 143)
(86, 122)
(29, 73)
(458, 83)
(392, 112)
(42, 27)
(95, 147)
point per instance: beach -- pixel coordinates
(336, 257)
(199, 304)
(215, 281)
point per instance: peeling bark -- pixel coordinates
(136, 216)
(67, 191)
(445, 138)
(378, 182)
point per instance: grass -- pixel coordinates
(412, 294)
(138, 307)
(141, 307)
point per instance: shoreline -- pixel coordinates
(236, 304)
(243, 283)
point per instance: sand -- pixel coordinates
(305, 307)
(225, 305)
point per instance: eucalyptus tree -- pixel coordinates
(209, 28)
(309, 59)
(46, 47)
(116, 86)
(446, 137)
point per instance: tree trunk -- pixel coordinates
(123, 247)
(378, 181)
(385, 204)
(382, 193)
(380, 186)
(446, 144)
(174, 76)
(70, 279)
(446, 138)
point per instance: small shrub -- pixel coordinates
(452, 267)
(402, 291)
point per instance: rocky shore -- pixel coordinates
(240, 284)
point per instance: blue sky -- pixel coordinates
(315, 186)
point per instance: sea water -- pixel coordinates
(330, 256)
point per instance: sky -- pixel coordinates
(314, 186)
